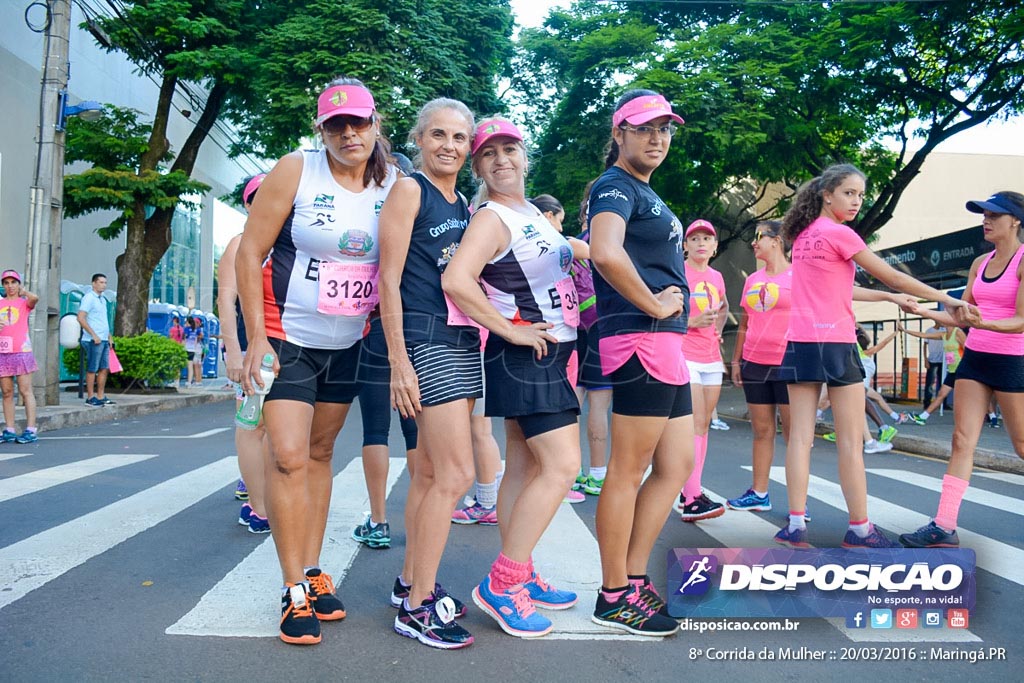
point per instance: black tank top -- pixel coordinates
(436, 234)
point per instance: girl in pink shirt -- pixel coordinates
(993, 360)
(703, 359)
(822, 345)
(16, 359)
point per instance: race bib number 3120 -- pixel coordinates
(347, 288)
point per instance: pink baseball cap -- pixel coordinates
(251, 187)
(10, 273)
(643, 109)
(701, 224)
(494, 128)
(350, 100)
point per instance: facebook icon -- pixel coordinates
(855, 620)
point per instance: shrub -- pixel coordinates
(149, 359)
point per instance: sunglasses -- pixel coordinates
(336, 125)
(759, 234)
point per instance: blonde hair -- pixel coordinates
(423, 119)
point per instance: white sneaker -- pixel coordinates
(720, 425)
(876, 446)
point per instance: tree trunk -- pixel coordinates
(147, 242)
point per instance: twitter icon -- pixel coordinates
(881, 618)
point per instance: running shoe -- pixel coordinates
(903, 418)
(476, 514)
(701, 508)
(244, 514)
(886, 433)
(931, 536)
(546, 596)
(874, 539)
(512, 609)
(797, 538)
(94, 402)
(27, 437)
(650, 596)
(581, 480)
(299, 625)
(918, 419)
(831, 436)
(573, 497)
(433, 624)
(241, 493)
(876, 446)
(632, 613)
(400, 592)
(720, 425)
(593, 486)
(993, 421)
(9, 436)
(107, 402)
(326, 603)
(373, 535)
(258, 525)
(750, 501)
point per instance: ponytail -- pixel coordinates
(808, 202)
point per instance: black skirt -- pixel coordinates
(520, 384)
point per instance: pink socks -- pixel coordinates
(506, 572)
(953, 489)
(692, 488)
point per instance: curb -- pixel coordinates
(73, 416)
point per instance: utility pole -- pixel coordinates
(46, 211)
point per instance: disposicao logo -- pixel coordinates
(697, 581)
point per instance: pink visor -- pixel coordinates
(251, 187)
(10, 274)
(644, 109)
(494, 128)
(701, 224)
(349, 100)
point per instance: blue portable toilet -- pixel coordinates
(159, 318)
(210, 363)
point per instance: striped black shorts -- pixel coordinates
(446, 373)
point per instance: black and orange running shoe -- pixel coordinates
(299, 625)
(326, 603)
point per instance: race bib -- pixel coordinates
(6, 344)
(347, 288)
(950, 358)
(570, 301)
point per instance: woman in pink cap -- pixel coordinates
(307, 276)
(511, 275)
(636, 246)
(703, 353)
(16, 359)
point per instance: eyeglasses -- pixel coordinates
(665, 131)
(759, 234)
(336, 125)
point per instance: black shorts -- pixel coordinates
(315, 375)
(374, 377)
(591, 377)
(519, 384)
(997, 371)
(636, 393)
(534, 425)
(950, 380)
(191, 355)
(836, 364)
(763, 385)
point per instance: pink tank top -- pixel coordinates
(997, 300)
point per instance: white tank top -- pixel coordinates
(520, 281)
(327, 223)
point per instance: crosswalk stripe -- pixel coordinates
(37, 560)
(12, 456)
(999, 558)
(1002, 476)
(993, 500)
(39, 480)
(246, 602)
(176, 437)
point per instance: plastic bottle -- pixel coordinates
(249, 413)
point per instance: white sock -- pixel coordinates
(598, 472)
(862, 530)
(991, 416)
(818, 414)
(760, 494)
(923, 414)
(487, 494)
(797, 522)
(894, 416)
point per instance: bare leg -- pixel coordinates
(7, 385)
(762, 422)
(249, 447)
(802, 401)
(848, 410)
(28, 397)
(328, 419)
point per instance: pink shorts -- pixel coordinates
(15, 364)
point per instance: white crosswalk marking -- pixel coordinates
(12, 456)
(993, 500)
(999, 558)
(37, 560)
(39, 480)
(176, 437)
(246, 602)
(1002, 476)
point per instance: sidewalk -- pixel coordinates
(994, 449)
(72, 411)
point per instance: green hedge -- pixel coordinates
(149, 359)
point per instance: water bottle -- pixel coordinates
(248, 415)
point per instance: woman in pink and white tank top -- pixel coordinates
(993, 360)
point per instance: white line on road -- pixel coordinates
(39, 480)
(246, 602)
(12, 456)
(993, 500)
(1002, 476)
(37, 560)
(200, 435)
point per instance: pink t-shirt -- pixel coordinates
(14, 317)
(823, 270)
(707, 290)
(661, 354)
(997, 300)
(767, 300)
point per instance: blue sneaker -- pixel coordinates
(27, 437)
(94, 402)
(931, 536)
(244, 514)
(373, 535)
(258, 525)
(750, 501)
(544, 595)
(512, 609)
(875, 539)
(797, 538)
(8, 436)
